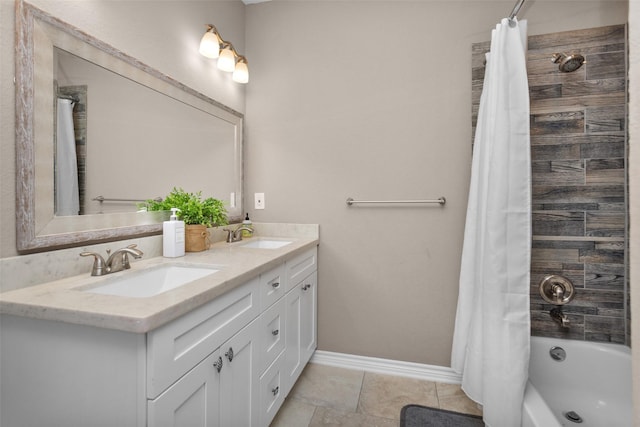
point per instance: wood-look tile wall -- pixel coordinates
(578, 147)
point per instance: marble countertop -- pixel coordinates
(64, 300)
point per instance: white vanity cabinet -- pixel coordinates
(175, 348)
(294, 317)
(229, 362)
(257, 366)
(222, 390)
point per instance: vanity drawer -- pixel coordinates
(272, 286)
(272, 334)
(272, 392)
(178, 346)
(301, 266)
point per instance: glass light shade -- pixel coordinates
(241, 73)
(227, 61)
(209, 45)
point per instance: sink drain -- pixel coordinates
(573, 417)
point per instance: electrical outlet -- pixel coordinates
(232, 200)
(259, 200)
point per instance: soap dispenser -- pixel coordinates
(247, 224)
(173, 236)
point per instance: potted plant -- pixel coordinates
(198, 214)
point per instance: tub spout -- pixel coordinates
(560, 317)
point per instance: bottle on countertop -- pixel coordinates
(247, 223)
(173, 236)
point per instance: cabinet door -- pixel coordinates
(300, 322)
(239, 378)
(309, 317)
(192, 401)
(293, 357)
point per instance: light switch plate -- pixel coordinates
(259, 200)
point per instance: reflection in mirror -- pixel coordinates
(136, 134)
(140, 143)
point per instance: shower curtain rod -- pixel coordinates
(516, 9)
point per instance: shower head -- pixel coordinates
(568, 63)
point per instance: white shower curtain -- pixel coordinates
(491, 338)
(67, 194)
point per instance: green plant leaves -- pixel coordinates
(193, 209)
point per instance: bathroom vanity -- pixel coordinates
(222, 350)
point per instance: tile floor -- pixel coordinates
(330, 396)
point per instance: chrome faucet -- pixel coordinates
(559, 317)
(236, 235)
(117, 261)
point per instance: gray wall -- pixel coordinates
(372, 100)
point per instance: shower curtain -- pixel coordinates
(66, 170)
(492, 329)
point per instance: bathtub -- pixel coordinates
(592, 383)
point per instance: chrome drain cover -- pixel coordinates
(573, 417)
(558, 354)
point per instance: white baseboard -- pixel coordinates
(386, 366)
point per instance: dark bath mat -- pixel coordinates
(421, 416)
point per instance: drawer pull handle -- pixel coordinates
(275, 332)
(275, 285)
(229, 354)
(276, 390)
(218, 364)
(306, 287)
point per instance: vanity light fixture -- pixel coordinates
(210, 43)
(241, 72)
(227, 60)
(214, 46)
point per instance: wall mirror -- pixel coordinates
(140, 134)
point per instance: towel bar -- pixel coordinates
(105, 199)
(441, 201)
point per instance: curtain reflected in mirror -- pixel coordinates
(67, 199)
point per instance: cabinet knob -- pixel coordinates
(275, 285)
(276, 390)
(218, 364)
(229, 354)
(275, 332)
(306, 287)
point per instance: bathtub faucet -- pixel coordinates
(559, 317)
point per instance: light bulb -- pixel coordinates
(241, 72)
(227, 60)
(209, 45)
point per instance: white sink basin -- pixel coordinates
(154, 281)
(259, 243)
